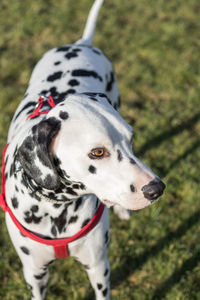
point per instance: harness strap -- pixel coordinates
(60, 245)
(40, 101)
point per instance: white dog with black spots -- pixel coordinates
(61, 165)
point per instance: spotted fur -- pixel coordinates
(52, 185)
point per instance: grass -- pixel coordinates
(154, 46)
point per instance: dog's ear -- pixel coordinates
(35, 154)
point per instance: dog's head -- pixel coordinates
(93, 145)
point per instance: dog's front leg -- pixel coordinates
(99, 275)
(37, 280)
(92, 253)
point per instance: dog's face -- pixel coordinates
(93, 145)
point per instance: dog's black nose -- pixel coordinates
(153, 190)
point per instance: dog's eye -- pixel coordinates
(98, 153)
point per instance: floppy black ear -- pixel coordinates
(35, 156)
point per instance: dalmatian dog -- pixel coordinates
(62, 163)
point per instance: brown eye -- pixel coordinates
(98, 153)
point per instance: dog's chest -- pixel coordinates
(50, 220)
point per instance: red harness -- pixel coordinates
(60, 245)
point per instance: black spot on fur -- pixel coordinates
(60, 221)
(86, 73)
(77, 50)
(56, 205)
(58, 97)
(25, 95)
(71, 191)
(75, 186)
(104, 96)
(110, 82)
(73, 82)
(85, 223)
(119, 155)
(90, 94)
(104, 292)
(53, 230)
(30, 216)
(63, 49)
(34, 208)
(55, 76)
(96, 51)
(15, 202)
(57, 63)
(132, 188)
(42, 289)
(82, 186)
(57, 161)
(12, 168)
(40, 276)
(132, 161)
(28, 105)
(15, 152)
(94, 99)
(6, 159)
(106, 272)
(106, 237)
(25, 250)
(63, 115)
(115, 106)
(73, 219)
(78, 203)
(99, 286)
(92, 169)
(71, 55)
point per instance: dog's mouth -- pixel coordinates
(108, 203)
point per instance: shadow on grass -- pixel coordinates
(176, 276)
(193, 148)
(138, 261)
(131, 263)
(157, 140)
(163, 172)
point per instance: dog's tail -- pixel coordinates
(90, 26)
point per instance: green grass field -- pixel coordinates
(155, 48)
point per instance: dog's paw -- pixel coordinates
(122, 213)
